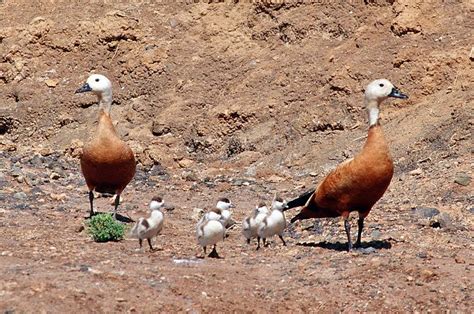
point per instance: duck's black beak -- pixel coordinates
(84, 88)
(397, 94)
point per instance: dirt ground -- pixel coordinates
(242, 100)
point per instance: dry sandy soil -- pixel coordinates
(240, 100)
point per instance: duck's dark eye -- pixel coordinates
(99, 80)
(381, 84)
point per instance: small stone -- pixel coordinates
(20, 195)
(275, 179)
(159, 129)
(416, 172)
(20, 179)
(427, 274)
(410, 278)
(84, 268)
(471, 55)
(442, 220)
(422, 255)
(185, 163)
(367, 250)
(173, 22)
(58, 197)
(462, 178)
(79, 228)
(189, 175)
(54, 176)
(51, 82)
(426, 212)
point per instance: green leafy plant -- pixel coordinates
(104, 227)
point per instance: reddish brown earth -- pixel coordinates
(242, 100)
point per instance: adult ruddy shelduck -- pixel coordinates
(107, 163)
(358, 183)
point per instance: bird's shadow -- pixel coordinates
(342, 246)
(119, 217)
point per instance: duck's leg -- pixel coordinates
(360, 223)
(91, 202)
(214, 252)
(282, 240)
(117, 202)
(149, 243)
(347, 226)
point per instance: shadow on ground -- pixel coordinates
(338, 246)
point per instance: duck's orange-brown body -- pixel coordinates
(107, 163)
(355, 185)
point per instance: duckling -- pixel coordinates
(107, 163)
(209, 232)
(250, 224)
(221, 212)
(273, 223)
(148, 228)
(358, 183)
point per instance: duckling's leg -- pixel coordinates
(282, 240)
(265, 242)
(141, 243)
(91, 201)
(347, 226)
(360, 223)
(117, 202)
(258, 243)
(149, 243)
(214, 252)
(204, 248)
(248, 241)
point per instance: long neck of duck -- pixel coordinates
(105, 101)
(373, 111)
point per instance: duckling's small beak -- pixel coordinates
(231, 206)
(397, 94)
(84, 88)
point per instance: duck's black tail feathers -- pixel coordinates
(300, 200)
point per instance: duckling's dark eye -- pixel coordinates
(99, 80)
(381, 84)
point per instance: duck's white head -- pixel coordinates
(376, 92)
(224, 204)
(380, 89)
(156, 203)
(96, 83)
(279, 204)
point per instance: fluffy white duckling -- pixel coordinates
(273, 223)
(250, 224)
(148, 228)
(209, 232)
(221, 212)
